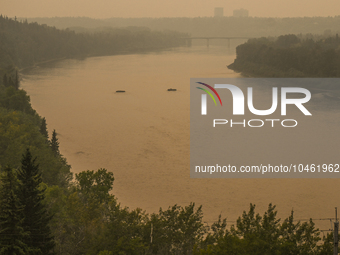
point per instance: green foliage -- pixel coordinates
(43, 128)
(125, 229)
(259, 235)
(87, 215)
(12, 234)
(62, 223)
(95, 185)
(217, 231)
(287, 41)
(327, 246)
(10, 77)
(17, 100)
(289, 56)
(19, 131)
(55, 144)
(88, 220)
(177, 230)
(299, 238)
(21, 128)
(36, 220)
(105, 253)
(81, 212)
(255, 234)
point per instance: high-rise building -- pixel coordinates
(241, 13)
(218, 12)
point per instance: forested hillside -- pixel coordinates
(289, 56)
(24, 44)
(209, 26)
(21, 128)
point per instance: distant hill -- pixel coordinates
(24, 44)
(67, 22)
(209, 26)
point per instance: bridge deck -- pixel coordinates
(217, 37)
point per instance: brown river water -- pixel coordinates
(143, 135)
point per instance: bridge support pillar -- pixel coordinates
(207, 42)
(228, 43)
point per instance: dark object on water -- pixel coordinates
(120, 91)
(172, 89)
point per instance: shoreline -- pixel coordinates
(24, 69)
(41, 63)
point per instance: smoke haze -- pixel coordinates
(160, 8)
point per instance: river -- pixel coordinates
(142, 136)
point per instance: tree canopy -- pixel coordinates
(289, 56)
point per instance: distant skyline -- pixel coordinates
(160, 8)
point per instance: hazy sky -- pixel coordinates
(166, 8)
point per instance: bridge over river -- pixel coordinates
(208, 38)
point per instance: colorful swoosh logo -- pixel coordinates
(212, 89)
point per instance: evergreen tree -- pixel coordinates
(10, 81)
(55, 143)
(36, 219)
(43, 128)
(16, 80)
(5, 80)
(12, 234)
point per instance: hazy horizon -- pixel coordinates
(102, 9)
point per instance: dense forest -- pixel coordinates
(44, 209)
(289, 56)
(24, 44)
